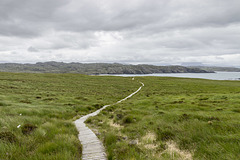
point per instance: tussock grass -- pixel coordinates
(191, 119)
(37, 111)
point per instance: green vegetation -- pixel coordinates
(174, 118)
(37, 111)
(212, 68)
(169, 118)
(95, 68)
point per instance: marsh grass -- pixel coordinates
(37, 111)
(191, 119)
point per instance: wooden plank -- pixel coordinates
(93, 148)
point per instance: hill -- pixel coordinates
(95, 68)
(213, 68)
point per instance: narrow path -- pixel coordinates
(92, 147)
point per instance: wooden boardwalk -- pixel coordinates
(92, 147)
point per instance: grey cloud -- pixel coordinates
(32, 49)
(149, 15)
(66, 40)
(32, 17)
(27, 18)
(122, 31)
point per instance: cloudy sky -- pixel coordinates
(123, 31)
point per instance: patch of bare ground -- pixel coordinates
(148, 141)
(149, 137)
(150, 146)
(115, 125)
(176, 153)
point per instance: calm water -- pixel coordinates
(214, 76)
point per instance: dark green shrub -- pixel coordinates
(110, 138)
(111, 116)
(184, 117)
(2, 104)
(203, 98)
(26, 101)
(185, 143)
(161, 112)
(110, 109)
(81, 98)
(161, 147)
(89, 120)
(28, 128)
(236, 110)
(213, 118)
(151, 123)
(97, 106)
(119, 116)
(165, 135)
(104, 112)
(175, 102)
(8, 137)
(127, 119)
(90, 108)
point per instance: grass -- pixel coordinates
(174, 118)
(38, 110)
(170, 118)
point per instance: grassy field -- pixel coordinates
(170, 118)
(37, 111)
(174, 118)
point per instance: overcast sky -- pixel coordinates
(124, 31)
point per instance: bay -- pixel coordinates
(212, 76)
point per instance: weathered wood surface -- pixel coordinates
(92, 148)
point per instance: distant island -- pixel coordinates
(214, 68)
(95, 68)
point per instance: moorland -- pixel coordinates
(37, 111)
(170, 118)
(174, 118)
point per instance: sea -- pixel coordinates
(212, 76)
